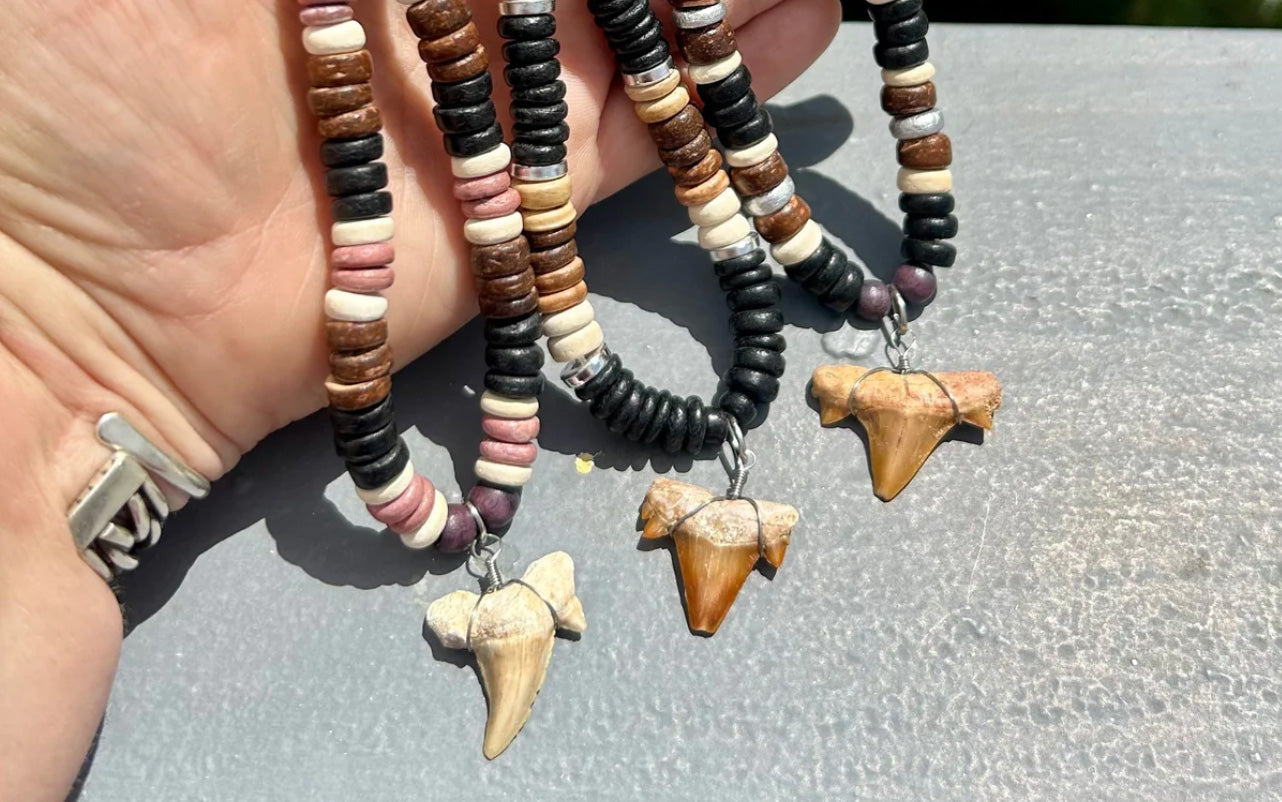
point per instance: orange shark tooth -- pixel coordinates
(717, 547)
(512, 633)
(904, 414)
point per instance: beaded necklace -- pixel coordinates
(511, 624)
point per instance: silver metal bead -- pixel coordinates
(522, 8)
(734, 250)
(651, 76)
(539, 172)
(918, 125)
(700, 17)
(771, 200)
(583, 370)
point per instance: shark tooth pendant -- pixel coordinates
(511, 627)
(905, 413)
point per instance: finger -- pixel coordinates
(806, 26)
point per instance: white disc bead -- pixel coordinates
(912, 76)
(390, 491)
(559, 324)
(493, 230)
(491, 161)
(362, 232)
(718, 210)
(328, 40)
(431, 530)
(502, 406)
(925, 182)
(753, 154)
(576, 344)
(355, 307)
(711, 73)
(496, 473)
(723, 234)
(799, 246)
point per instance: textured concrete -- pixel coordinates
(1084, 607)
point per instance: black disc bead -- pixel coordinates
(529, 114)
(536, 74)
(517, 54)
(891, 12)
(739, 264)
(465, 119)
(356, 180)
(645, 414)
(729, 89)
(349, 152)
(749, 133)
(764, 295)
(732, 115)
(844, 294)
(930, 227)
(514, 331)
(662, 411)
(626, 17)
(757, 321)
(696, 424)
(361, 207)
(513, 386)
(527, 26)
(538, 155)
(940, 205)
(476, 143)
(520, 360)
(749, 277)
(827, 276)
(898, 57)
(929, 251)
(903, 32)
(774, 342)
(647, 59)
(362, 421)
(540, 95)
(550, 135)
(718, 429)
(761, 359)
(639, 40)
(608, 8)
(674, 433)
(739, 406)
(602, 381)
(760, 387)
(476, 89)
(359, 449)
(806, 269)
(627, 411)
(369, 475)
(604, 405)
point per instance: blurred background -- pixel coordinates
(1221, 13)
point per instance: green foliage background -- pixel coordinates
(1225, 13)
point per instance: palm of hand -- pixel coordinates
(162, 222)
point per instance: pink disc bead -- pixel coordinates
(510, 431)
(475, 189)
(522, 454)
(404, 505)
(374, 279)
(352, 257)
(418, 517)
(325, 15)
(498, 205)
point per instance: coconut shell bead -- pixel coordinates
(563, 278)
(698, 172)
(340, 69)
(690, 153)
(550, 259)
(353, 367)
(508, 258)
(784, 223)
(707, 45)
(901, 101)
(326, 101)
(432, 19)
(934, 152)
(453, 45)
(560, 301)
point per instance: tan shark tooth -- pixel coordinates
(904, 414)
(512, 632)
(717, 547)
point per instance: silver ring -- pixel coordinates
(581, 371)
(651, 76)
(772, 200)
(918, 125)
(700, 17)
(540, 172)
(734, 250)
(522, 8)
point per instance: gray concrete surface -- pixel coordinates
(1084, 607)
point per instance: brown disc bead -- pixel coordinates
(357, 396)
(563, 278)
(451, 46)
(760, 177)
(364, 121)
(510, 308)
(902, 101)
(543, 240)
(563, 300)
(502, 259)
(432, 19)
(345, 335)
(460, 69)
(327, 101)
(340, 69)
(934, 152)
(779, 226)
(698, 172)
(355, 367)
(678, 129)
(506, 288)
(692, 196)
(690, 153)
(549, 259)
(706, 45)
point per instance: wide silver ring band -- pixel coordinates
(540, 172)
(526, 8)
(651, 76)
(581, 371)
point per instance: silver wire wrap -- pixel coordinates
(485, 549)
(741, 462)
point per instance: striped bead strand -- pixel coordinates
(925, 153)
(758, 172)
(359, 385)
(499, 255)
